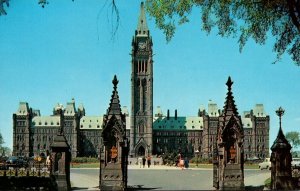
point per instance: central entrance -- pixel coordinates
(141, 151)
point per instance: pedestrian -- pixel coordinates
(186, 163)
(140, 160)
(149, 161)
(144, 161)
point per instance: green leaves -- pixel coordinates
(2, 4)
(168, 14)
(294, 138)
(248, 19)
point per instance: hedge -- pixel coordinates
(85, 160)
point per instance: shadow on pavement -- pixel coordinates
(254, 188)
(79, 188)
(139, 187)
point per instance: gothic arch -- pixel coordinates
(142, 144)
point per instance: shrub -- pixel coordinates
(85, 160)
(201, 160)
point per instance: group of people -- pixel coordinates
(142, 160)
(182, 162)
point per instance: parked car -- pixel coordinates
(3, 162)
(296, 163)
(14, 161)
(266, 164)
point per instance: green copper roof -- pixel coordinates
(259, 110)
(213, 110)
(23, 108)
(70, 108)
(142, 28)
(46, 121)
(247, 123)
(81, 107)
(95, 122)
(179, 123)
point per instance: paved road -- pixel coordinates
(165, 179)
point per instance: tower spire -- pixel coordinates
(230, 107)
(114, 106)
(142, 28)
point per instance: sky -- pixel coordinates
(66, 50)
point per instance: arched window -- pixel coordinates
(141, 128)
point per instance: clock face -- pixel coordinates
(142, 45)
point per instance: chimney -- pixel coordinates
(175, 114)
(168, 115)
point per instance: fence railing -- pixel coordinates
(36, 169)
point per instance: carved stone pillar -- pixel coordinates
(60, 159)
(281, 158)
(114, 155)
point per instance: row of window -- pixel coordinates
(172, 133)
(158, 121)
(21, 123)
(90, 126)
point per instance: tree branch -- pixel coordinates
(292, 6)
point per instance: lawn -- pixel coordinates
(85, 165)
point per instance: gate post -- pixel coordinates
(281, 171)
(230, 140)
(114, 155)
(215, 167)
(61, 157)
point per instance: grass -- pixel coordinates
(85, 165)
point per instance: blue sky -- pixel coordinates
(66, 51)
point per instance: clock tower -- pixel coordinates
(141, 89)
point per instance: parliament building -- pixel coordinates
(149, 131)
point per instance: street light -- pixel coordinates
(197, 153)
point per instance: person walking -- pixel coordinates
(144, 161)
(149, 161)
(140, 160)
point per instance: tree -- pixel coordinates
(254, 19)
(294, 138)
(4, 150)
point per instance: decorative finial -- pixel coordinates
(229, 83)
(280, 112)
(115, 81)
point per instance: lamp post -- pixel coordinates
(197, 154)
(280, 113)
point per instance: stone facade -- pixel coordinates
(141, 89)
(192, 133)
(148, 133)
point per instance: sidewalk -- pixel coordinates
(162, 167)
